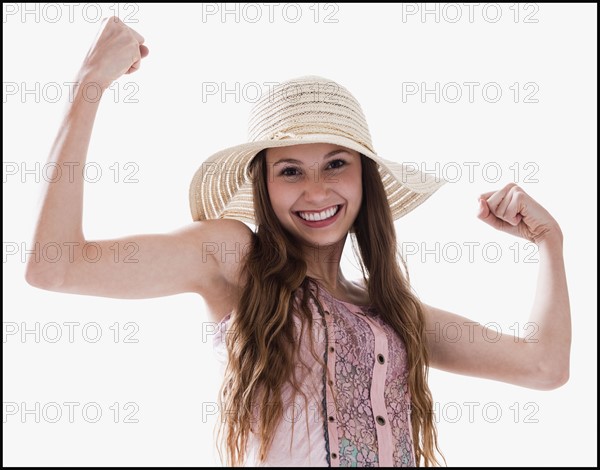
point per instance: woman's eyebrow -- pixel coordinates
(298, 162)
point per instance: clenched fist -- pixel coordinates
(117, 50)
(513, 211)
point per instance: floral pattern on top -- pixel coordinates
(355, 360)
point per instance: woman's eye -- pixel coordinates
(338, 161)
(289, 171)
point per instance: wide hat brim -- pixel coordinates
(221, 187)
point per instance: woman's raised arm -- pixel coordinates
(138, 266)
(542, 362)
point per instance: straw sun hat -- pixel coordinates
(300, 111)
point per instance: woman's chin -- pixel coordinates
(322, 241)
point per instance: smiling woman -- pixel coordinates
(315, 186)
(350, 359)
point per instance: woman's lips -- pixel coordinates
(321, 223)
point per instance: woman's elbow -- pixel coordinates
(560, 379)
(551, 377)
(43, 279)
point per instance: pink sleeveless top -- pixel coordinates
(369, 423)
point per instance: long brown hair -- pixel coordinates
(262, 342)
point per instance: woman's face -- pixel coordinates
(315, 190)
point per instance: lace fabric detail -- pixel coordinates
(354, 331)
(354, 371)
(397, 399)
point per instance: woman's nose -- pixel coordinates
(316, 187)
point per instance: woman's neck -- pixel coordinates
(323, 265)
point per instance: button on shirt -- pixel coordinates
(358, 409)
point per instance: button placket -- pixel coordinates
(330, 410)
(383, 429)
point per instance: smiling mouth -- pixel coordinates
(319, 216)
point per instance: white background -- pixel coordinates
(170, 374)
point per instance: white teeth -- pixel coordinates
(320, 216)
